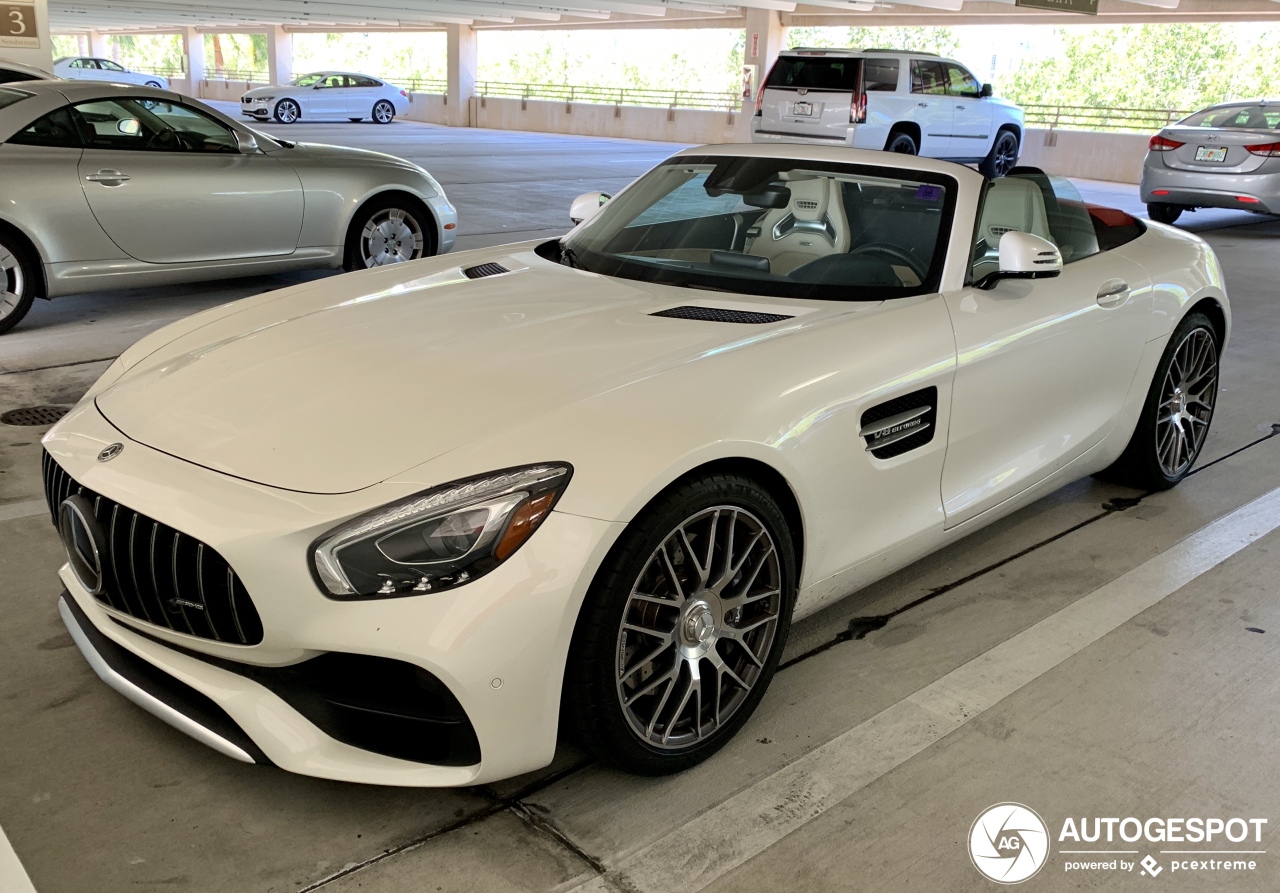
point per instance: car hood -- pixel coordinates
(265, 91)
(346, 154)
(373, 374)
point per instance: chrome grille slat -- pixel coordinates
(193, 569)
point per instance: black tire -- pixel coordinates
(902, 142)
(383, 112)
(1144, 464)
(1003, 156)
(354, 257)
(594, 711)
(355, 120)
(287, 111)
(19, 280)
(1163, 212)
(155, 84)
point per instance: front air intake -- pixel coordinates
(715, 314)
(900, 425)
(482, 270)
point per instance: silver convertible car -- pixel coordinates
(107, 185)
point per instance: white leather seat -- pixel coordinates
(1013, 204)
(812, 225)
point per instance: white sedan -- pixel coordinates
(381, 528)
(89, 68)
(327, 96)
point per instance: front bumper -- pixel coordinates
(446, 216)
(1193, 189)
(498, 645)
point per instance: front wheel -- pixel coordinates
(903, 144)
(683, 627)
(1162, 212)
(288, 111)
(1176, 416)
(155, 84)
(17, 282)
(389, 231)
(383, 111)
(1002, 158)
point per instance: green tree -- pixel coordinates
(942, 41)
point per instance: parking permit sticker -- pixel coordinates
(929, 193)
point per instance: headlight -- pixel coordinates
(438, 539)
(265, 99)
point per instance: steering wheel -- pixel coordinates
(166, 139)
(893, 252)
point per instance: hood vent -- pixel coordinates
(483, 270)
(715, 314)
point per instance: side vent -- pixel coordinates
(903, 424)
(715, 314)
(483, 270)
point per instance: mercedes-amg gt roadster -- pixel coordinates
(400, 526)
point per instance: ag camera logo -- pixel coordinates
(1009, 843)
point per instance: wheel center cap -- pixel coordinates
(699, 624)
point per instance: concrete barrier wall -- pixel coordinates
(229, 91)
(1080, 153)
(428, 108)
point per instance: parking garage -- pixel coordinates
(1087, 683)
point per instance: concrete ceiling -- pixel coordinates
(69, 16)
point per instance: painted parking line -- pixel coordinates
(31, 507)
(691, 857)
(13, 877)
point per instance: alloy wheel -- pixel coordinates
(1187, 399)
(698, 627)
(391, 236)
(12, 282)
(383, 112)
(1006, 154)
(287, 112)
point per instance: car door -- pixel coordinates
(168, 185)
(1044, 365)
(328, 98)
(362, 93)
(934, 111)
(971, 115)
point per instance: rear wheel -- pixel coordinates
(1163, 212)
(1176, 416)
(1003, 156)
(903, 143)
(383, 111)
(288, 111)
(683, 627)
(155, 84)
(18, 272)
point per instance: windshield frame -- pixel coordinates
(314, 76)
(613, 265)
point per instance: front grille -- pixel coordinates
(715, 314)
(246, 99)
(155, 573)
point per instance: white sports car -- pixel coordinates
(390, 527)
(90, 68)
(327, 96)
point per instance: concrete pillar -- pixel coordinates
(280, 55)
(99, 45)
(464, 63)
(25, 37)
(764, 41)
(193, 49)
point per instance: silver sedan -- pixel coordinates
(107, 186)
(1226, 156)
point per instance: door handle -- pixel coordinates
(1113, 293)
(108, 178)
(923, 105)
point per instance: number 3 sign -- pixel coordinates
(18, 24)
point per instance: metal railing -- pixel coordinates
(674, 99)
(1074, 117)
(168, 71)
(421, 85)
(247, 75)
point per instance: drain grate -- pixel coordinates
(34, 416)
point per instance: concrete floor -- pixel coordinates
(1107, 664)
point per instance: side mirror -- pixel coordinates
(129, 126)
(587, 205)
(247, 143)
(1024, 256)
(987, 90)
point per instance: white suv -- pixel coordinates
(909, 102)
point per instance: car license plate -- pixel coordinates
(1211, 153)
(802, 108)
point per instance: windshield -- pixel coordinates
(1238, 117)
(308, 80)
(774, 226)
